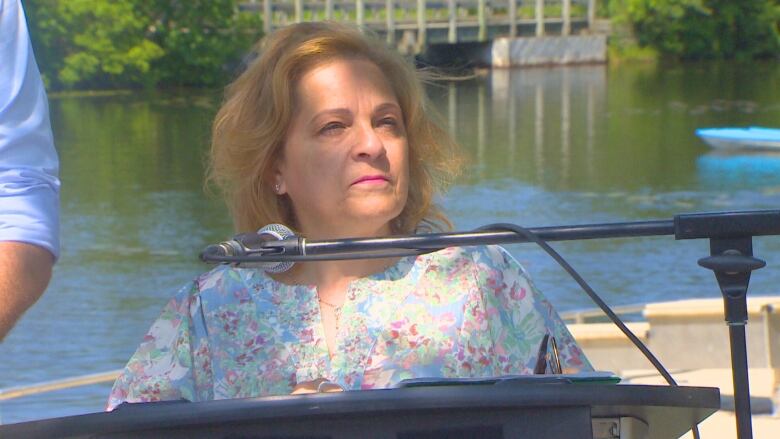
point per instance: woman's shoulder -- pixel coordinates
(221, 276)
(480, 260)
(227, 280)
(491, 255)
(224, 285)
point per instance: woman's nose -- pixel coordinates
(369, 144)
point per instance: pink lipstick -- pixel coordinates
(371, 179)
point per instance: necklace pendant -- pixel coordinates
(337, 316)
(336, 312)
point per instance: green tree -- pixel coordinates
(133, 43)
(706, 28)
(92, 42)
(201, 39)
(747, 28)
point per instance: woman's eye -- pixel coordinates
(388, 122)
(332, 128)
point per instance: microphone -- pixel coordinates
(271, 239)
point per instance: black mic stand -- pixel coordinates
(732, 261)
(731, 258)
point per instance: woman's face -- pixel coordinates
(345, 164)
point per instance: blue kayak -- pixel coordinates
(741, 138)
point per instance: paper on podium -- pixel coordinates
(595, 377)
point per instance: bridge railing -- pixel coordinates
(391, 16)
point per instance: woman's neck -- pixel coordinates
(328, 274)
(331, 278)
(344, 229)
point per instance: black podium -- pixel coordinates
(570, 411)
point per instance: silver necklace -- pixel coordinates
(336, 311)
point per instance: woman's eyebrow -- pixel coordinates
(339, 112)
(387, 106)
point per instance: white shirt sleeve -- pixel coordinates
(29, 167)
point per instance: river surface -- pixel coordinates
(546, 146)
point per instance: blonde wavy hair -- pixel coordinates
(249, 130)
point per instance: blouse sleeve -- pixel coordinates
(519, 316)
(172, 362)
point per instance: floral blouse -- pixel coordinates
(235, 332)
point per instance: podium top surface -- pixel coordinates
(669, 411)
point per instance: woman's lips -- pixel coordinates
(371, 179)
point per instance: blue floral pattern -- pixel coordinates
(235, 332)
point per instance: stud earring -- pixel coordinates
(277, 188)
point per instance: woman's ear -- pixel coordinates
(279, 188)
(278, 185)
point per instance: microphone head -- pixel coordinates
(277, 232)
(245, 243)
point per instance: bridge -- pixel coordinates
(412, 25)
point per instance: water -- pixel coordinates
(546, 146)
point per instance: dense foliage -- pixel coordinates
(106, 44)
(704, 29)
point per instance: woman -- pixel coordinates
(329, 133)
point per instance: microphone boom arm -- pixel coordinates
(295, 249)
(684, 226)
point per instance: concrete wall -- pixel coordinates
(686, 334)
(693, 333)
(608, 348)
(537, 51)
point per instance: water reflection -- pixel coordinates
(562, 128)
(740, 170)
(531, 129)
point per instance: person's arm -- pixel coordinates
(29, 183)
(25, 270)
